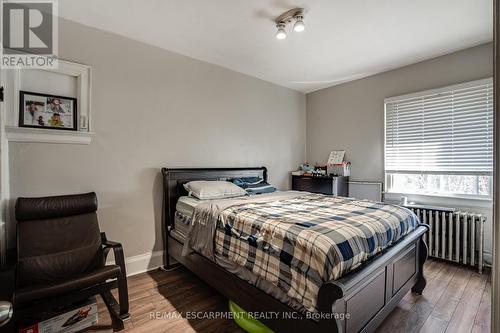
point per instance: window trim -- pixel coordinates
(444, 201)
(461, 196)
(468, 84)
(462, 85)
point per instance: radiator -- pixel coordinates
(454, 235)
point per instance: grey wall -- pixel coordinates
(350, 116)
(152, 108)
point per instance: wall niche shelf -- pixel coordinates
(69, 79)
(27, 134)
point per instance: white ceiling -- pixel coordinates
(343, 40)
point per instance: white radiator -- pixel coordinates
(454, 235)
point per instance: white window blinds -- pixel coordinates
(443, 131)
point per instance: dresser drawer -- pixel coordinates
(336, 186)
(314, 185)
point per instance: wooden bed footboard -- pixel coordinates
(362, 300)
(358, 302)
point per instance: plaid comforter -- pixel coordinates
(301, 242)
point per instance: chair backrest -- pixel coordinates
(57, 238)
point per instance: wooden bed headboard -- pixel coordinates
(174, 179)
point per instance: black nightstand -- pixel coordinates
(336, 186)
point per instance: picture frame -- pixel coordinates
(336, 157)
(44, 111)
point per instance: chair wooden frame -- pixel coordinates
(118, 310)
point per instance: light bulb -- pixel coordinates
(281, 33)
(299, 25)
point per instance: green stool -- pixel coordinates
(245, 320)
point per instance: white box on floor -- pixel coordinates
(74, 319)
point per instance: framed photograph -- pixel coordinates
(47, 111)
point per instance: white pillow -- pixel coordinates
(213, 189)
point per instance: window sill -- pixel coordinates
(443, 201)
(25, 134)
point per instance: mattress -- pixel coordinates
(182, 224)
(184, 211)
(186, 205)
(297, 242)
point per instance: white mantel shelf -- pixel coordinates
(26, 134)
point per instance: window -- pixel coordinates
(440, 142)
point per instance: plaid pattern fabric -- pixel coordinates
(299, 243)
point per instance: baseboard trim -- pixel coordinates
(142, 262)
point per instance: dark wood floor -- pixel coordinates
(456, 299)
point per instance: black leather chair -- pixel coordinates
(62, 255)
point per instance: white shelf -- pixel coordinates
(69, 79)
(26, 134)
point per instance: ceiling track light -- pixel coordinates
(297, 15)
(281, 33)
(299, 23)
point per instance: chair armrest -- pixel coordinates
(117, 248)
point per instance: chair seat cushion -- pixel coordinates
(33, 293)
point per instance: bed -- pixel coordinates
(355, 301)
